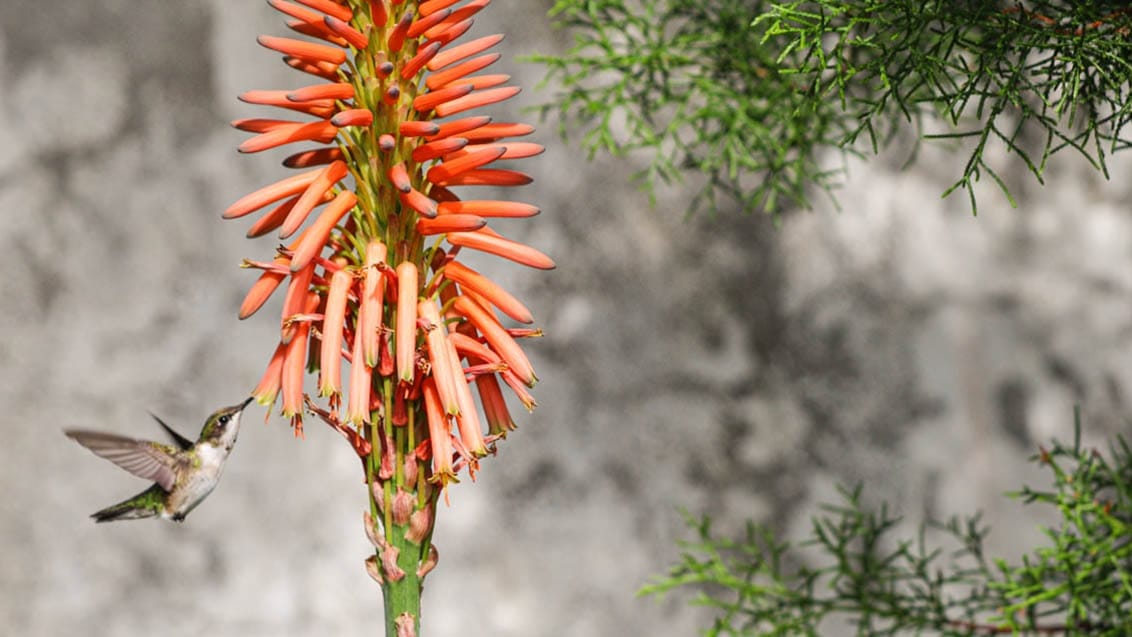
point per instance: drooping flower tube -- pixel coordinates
(395, 137)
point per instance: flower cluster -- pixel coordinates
(374, 227)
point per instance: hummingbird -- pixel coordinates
(184, 473)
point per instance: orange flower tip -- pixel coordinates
(378, 13)
(418, 61)
(271, 193)
(259, 124)
(464, 51)
(418, 129)
(303, 49)
(341, 28)
(353, 117)
(420, 203)
(333, 91)
(384, 70)
(386, 143)
(438, 148)
(476, 100)
(459, 126)
(490, 177)
(425, 23)
(329, 7)
(397, 35)
(492, 132)
(433, 99)
(316, 157)
(505, 248)
(438, 79)
(444, 33)
(432, 6)
(446, 170)
(485, 208)
(450, 223)
(391, 95)
(316, 29)
(400, 178)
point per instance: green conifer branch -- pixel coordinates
(752, 93)
(1079, 583)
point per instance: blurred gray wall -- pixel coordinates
(718, 364)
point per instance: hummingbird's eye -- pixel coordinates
(224, 419)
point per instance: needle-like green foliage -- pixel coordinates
(752, 93)
(854, 569)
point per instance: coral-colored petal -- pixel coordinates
(426, 22)
(315, 240)
(439, 433)
(261, 125)
(490, 177)
(420, 202)
(497, 338)
(487, 208)
(450, 223)
(330, 353)
(406, 333)
(492, 132)
(353, 117)
(399, 176)
(372, 302)
(473, 349)
(514, 150)
(459, 16)
(431, 100)
(417, 62)
(441, 78)
(321, 132)
(269, 194)
(397, 35)
(268, 388)
(293, 302)
(313, 194)
(357, 407)
(475, 100)
(294, 364)
(444, 172)
(448, 30)
(488, 289)
(325, 70)
(479, 82)
(341, 28)
(444, 368)
(303, 49)
(332, 91)
(499, 420)
(275, 217)
(432, 6)
(261, 290)
(316, 30)
(466, 50)
(329, 8)
(438, 148)
(318, 108)
(505, 248)
(316, 157)
(457, 127)
(378, 12)
(468, 420)
(418, 129)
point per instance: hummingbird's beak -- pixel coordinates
(246, 402)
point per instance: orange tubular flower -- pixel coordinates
(396, 148)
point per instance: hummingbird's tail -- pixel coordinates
(147, 504)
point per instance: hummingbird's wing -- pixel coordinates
(145, 459)
(184, 443)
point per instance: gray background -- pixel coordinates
(718, 364)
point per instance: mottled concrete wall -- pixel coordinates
(719, 364)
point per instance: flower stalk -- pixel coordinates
(375, 221)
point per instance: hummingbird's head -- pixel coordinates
(224, 424)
